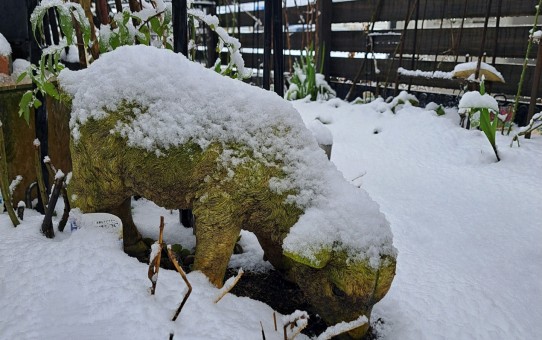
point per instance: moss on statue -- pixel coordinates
(224, 198)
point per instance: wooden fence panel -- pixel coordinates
(347, 68)
(362, 10)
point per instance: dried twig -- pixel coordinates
(230, 283)
(47, 225)
(183, 274)
(263, 333)
(154, 263)
(52, 172)
(275, 320)
(4, 187)
(297, 318)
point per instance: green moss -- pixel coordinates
(321, 259)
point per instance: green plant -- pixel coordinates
(486, 110)
(306, 81)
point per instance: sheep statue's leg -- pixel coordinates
(133, 243)
(216, 233)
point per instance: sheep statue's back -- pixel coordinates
(149, 122)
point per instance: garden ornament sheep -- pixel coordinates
(149, 122)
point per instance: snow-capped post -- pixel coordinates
(4, 187)
(20, 210)
(6, 65)
(64, 192)
(173, 259)
(322, 135)
(39, 174)
(47, 225)
(154, 258)
(229, 284)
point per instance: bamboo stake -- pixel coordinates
(183, 274)
(39, 174)
(4, 187)
(154, 265)
(232, 281)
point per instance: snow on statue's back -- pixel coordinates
(149, 122)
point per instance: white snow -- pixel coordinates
(468, 232)
(473, 100)
(425, 74)
(320, 132)
(72, 56)
(59, 174)
(5, 47)
(21, 204)
(342, 327)
(19, 66)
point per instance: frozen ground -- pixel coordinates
(468, 231)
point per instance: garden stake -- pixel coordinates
(275, 320)
(183, 274)
(4, 187)
(154, 265)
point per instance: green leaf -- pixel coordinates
(21, 77)
(24, 110)
(37, 103)
(66, 26)
(51, 90)
(155, 25)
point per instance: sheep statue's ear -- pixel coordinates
(319, 260)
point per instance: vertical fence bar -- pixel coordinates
(323, 36)
(180, 28)
(278, 48)
(268, 9)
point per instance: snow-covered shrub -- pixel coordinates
(306, 81)
(151, 26)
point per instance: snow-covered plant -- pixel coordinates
(306, 81)
(151, 26)
(49, 66)
(486, 108)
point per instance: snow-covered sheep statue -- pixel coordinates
(149, 122)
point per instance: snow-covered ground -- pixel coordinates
(468, 232)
